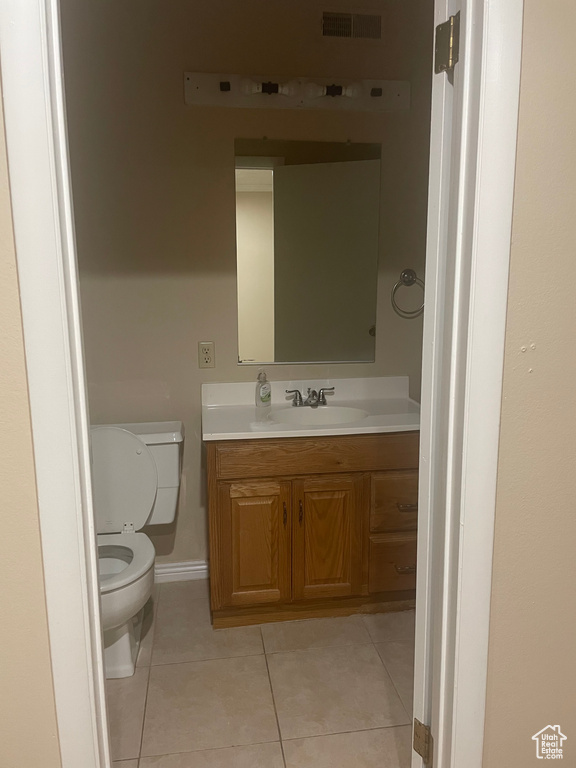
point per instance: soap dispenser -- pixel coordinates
(263, 390)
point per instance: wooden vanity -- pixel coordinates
(312, 526)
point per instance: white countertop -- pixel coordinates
(229, 411)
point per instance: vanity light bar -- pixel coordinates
(265, 92)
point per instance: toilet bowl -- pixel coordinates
(135, 478)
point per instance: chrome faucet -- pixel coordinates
(297, 399)
(322, 396)
(314, 398)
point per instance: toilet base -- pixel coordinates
(121, 646)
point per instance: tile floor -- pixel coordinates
(323, 693)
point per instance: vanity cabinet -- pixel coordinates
(310, 526)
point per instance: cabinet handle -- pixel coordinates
(405, 570)
(407, 507)
(285, 516)
(301, 512)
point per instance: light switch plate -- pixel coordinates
(206, 358)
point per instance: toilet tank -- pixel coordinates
(164, 439)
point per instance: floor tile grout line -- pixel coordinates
(144, 715)
(318, 648)
(156, 609)
(206, 749)
(384, 613)
(410, 716)
(314, 647)
(278, 741)
(212, 658)
(356, 730)
(275, 708)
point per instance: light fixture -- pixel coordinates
(250, 87)
(315, 91)
(275, 92)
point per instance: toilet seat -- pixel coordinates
(124, 479)
(143, 554)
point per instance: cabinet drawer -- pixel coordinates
(392, 562)
(394, 501)
(311, 455)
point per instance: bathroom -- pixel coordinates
(154, 197)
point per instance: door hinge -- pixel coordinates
(447, 47)
(423, 742)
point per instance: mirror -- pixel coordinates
(307, 227)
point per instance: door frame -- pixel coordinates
(41, 194)
(474, 132)
(42, 214)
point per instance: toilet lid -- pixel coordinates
(124, 479)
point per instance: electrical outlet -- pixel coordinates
(206, 357)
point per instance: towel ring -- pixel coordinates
(407, 278)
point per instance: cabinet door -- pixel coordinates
(327, 525)
(255, 535)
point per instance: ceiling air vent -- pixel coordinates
(359, 25)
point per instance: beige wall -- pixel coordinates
(532, 663)
(154, 194)
(27, 715)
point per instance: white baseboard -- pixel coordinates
(189, 570)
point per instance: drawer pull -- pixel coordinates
(285, 514)
(405, 570)
(301, 512)
(407, 507)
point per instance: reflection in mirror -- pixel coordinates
(307, 224)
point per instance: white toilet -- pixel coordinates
(135, 478)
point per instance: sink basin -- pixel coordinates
(317, 417)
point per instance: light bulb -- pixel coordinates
(314, 91)
(292, 88)
(248, 87)
(353, 91)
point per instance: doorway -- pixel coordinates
(55, 300)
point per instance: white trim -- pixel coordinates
(432, 381)
(493, 206)
(473, 150)
(189, 570)
(45, 249)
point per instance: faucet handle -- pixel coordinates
(322, 396)
(297, 399)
